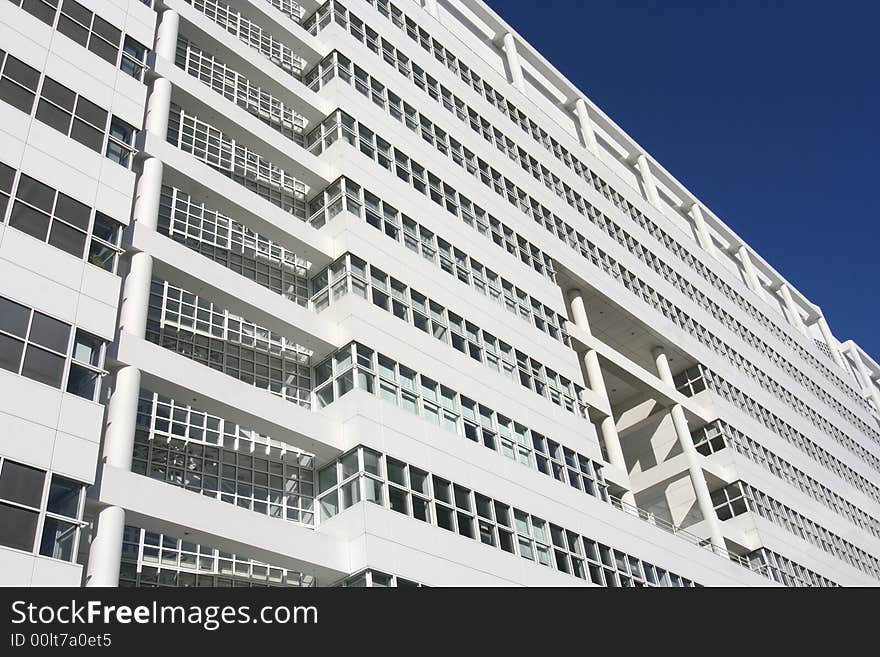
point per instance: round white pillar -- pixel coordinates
(686, 442)
(166, 35)
(122, 418)
(148, 193)
(648, 180)
(516, 73)
(136, 295)
(158, 108)
(105, 552)
(586, 126)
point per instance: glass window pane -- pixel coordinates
(72, 211)
(68, 239)
(53, 116)
(87, 349)
(87, 135)
(30, 221)
(21, 483)
(17, 527)
(14, 95)
(13, 317)
(82, 382)
(59, 539)
(91, 113)
(49, 332)
(64, 495)
(43, 366)
(10, 353)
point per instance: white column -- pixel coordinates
(431, 7)
(516, 74)
(158, 108)
(794, 315)
(698, 478)
(586, 126)
(122, 418)
(749, 271)
(867, 383)
(148, 193)
(703, 237)
(648, 180)
(828, 336)
(105, 552)
(596, 381)
(166, 35)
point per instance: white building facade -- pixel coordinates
(366, 293)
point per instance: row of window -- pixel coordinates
(184, 447)
(90, 31)
(346, 128)
(64, 110)
(488, 130)
(352, 275)
(56, 218)
(357, 366)
(234, 86)
(699, 378)
(233, 245)
(341, 126)
(40, 513)
(150, 559)
(785, 571)
(208, 334)
(45, 349)
(378, 149)
(739, 497)
(251, 34)
(366, 475)
(370, 578)
(237, 161)
(452, 260)
(447, 145)
(719, 434)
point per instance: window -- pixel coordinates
(61, 526)
(120, 143)
(22, 505)
(134, 57)
(18, 83)
(36, 346)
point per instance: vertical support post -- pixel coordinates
(513, 64)
(828, 336)
(703, 236)
(698, 478)
(794, 315)
(105, 553)
(648, 180)
(588, 133)
(596, 381)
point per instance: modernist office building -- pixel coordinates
(366, 293)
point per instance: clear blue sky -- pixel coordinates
(767, 111)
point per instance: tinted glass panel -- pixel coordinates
(21, 483)
(14, 95)
(10, 353)
(13, 317)
(49, 332)
(17, 527)
(58, 94)
(26, 219)
(68, 239)
(35, 193)
(64, 497)
(43, 366)
(73, 212)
